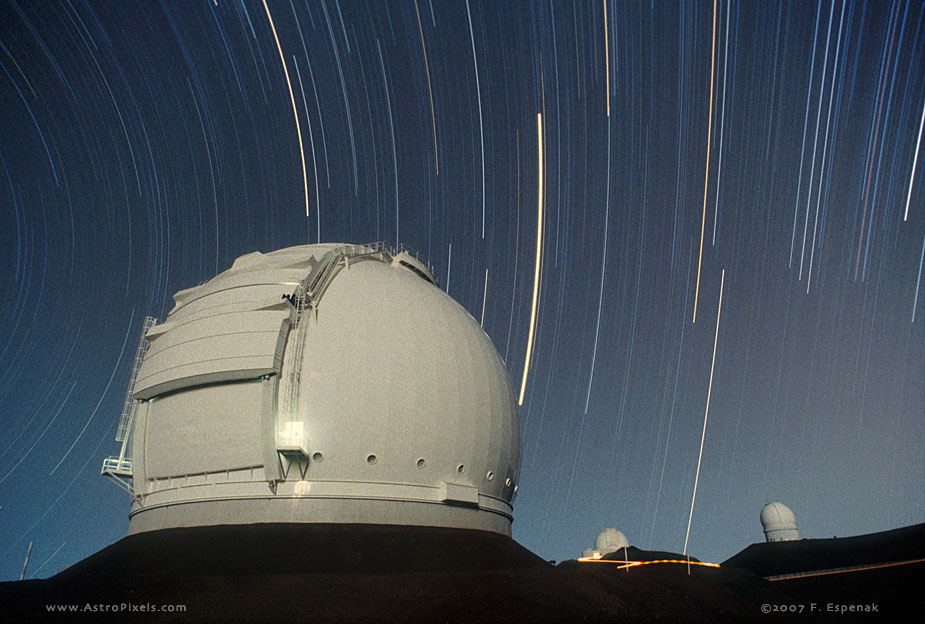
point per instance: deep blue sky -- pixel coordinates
(144, 146)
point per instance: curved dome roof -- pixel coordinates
(610, 540)
(774, 515)
(778, 522)
(323, 383)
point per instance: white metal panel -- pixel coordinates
(206, 429)
(240, 299)
(214, 349)
(394, 368)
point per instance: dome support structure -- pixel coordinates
(118, 468)
(330, 383)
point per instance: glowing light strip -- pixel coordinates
(607, 57)
(635, 564)
(295, 113)
(707, 411)
(539, 247)
(798, 575)
(706, 178)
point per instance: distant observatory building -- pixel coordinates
(608, 541)
(778, 523)
(319, 384)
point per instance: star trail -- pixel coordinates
(144, 146)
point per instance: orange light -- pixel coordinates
(787, 577)
(706, 179)
(539, 248)
(634, 564)
(295, 113)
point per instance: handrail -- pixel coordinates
(119, 467)
(330, 264)
(414, 253)
(128, 406)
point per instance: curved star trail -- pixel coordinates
(144, 146)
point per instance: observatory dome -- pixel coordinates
(778, 523)
(607, 541)
(323, 384)
(610, 540)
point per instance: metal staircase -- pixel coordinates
(119, 467)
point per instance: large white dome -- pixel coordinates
(610, 540)
(779, 523)
(323, 383)
(607, 541)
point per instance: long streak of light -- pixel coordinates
(706, 179)
(809, 92)
(311, 75)
(484, 298)
(674, 398)
(102, 396)
(41, 567)
(39, 439)
(863, 568)
(295, 112)
(706, 413)
(625, 565)
(388, 101)
(607, 57)
(877, 147)
(915, 160)
(343, 90)
(430, 93)
(311, 137)
(510, 318)
(478, 91)
(825, 149)
(918, 281)
(812, 168)
(449, 267)
(722, 126)
(539, 248)
(600, 295)
(91, 456)
(205, 141)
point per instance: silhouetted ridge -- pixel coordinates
(806, 555)
(301, 549)
(374, 573)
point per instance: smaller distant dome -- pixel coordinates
(779, 523)
(610, 540)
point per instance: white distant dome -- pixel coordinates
(779, 523)
(610, 540)
(323, 384)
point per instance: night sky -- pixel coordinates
(773, 149)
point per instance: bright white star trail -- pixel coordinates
(539, 253)
(706, 411)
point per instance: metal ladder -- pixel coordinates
(119, 467)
